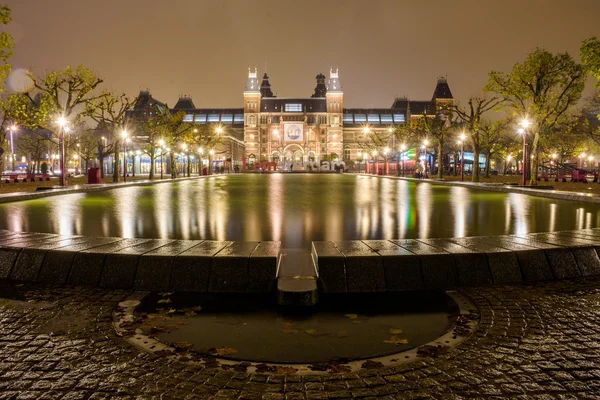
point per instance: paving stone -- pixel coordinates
(437, 265)
(27, 265)
(472, 267)
(8, 256)
(503, 263)
(155, 266)
(364, 269)
(331, 266)
(229, 268)
(191, 268)
(262, 267)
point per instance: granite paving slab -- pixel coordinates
(191, 268)
(262, 267)
(8, 256)
(229, 268)
(330, 265)
(437, 265)
(503, 263)
(120, 266)
(472, 267)
(364, 270)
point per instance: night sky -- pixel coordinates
(382, 48)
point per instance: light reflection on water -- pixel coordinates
(295, 209)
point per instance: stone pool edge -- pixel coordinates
(23, 196)
(550, 194)
(356, 266)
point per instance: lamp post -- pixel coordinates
(62, 122)
(425, 143)
(210, 154)
(162, 146)
(360, 157)
(12, 149)
(200, 152)
(375, 163)
(124, 136)
(385, 153)
(462, 156)
(525, 123)
(402, 149)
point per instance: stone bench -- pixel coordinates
(141, 264)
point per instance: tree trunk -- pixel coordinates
(488, 163)
(152, 163)
(475, 175)
(173, 165)
(116, 172)
(189, 167)
(455, 157)
(440, 158)
(101, 156)
(533, 161)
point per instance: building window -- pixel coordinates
(398, 118)
(346, 154)
(252, 121)
(348, 119)
(358, 118)
(335, 120)
(373, 118)
(188, 118)
(200, 118)
(293, 107)
(213, 117)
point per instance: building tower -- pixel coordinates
(252, 98)
(265, 87)
(442, 96)
(335, 105)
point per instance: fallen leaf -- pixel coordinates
(183, 345)
(290, 331)
(164, 301)
(305, 277)
(285, 370)
(395, 331)
(165, 294)
(371, 364)
(351, 316)
(395, 340)
(191, 313)
(342, 334)
(223, 351)
(315, 333)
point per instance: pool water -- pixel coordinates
(295, 209)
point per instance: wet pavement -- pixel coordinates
(537, 341)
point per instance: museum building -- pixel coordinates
(297, 130)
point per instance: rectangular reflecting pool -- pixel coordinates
(295, 209)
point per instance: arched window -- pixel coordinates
(252, 121)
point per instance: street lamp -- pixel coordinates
(462, 156)
(525, 123)
(12, 149)
(210, 154)
(124, 136)
(162, 147)
(200, 152)
(402, 149)
(424, 147)
(359, 156)
(385, 152)
(61, 123)
(375, 163)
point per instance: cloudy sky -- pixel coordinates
(382, 48)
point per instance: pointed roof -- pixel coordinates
(320, 89)
(184, 103)
(145, 100)
(265, 87)
(442, 90)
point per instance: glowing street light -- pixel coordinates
(124, 136)
(525, 123)
(62, 122)
(462, 156)
(402, 149)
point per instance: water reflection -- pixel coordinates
(295, 209)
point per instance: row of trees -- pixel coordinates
(75, 94)
(544, 89)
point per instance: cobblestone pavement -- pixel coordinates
(534, 342)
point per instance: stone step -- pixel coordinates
(296, 279)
